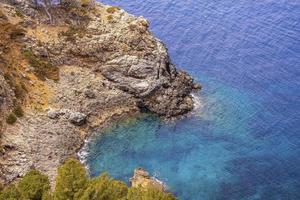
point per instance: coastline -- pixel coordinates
(113, 71)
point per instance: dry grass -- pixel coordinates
(109, 18)
(42, 68)
(73, 32)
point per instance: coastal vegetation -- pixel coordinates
(73, 183)
(11, 118)
(112, 9)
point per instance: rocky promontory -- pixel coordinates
(71, 69)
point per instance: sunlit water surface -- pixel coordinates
(244, 142)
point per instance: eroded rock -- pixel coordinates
(141, 178)
(77, 118)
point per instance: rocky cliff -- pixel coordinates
(60, 79)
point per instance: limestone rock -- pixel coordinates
(90, 94)
(141, 178)
(53, 114)
(78, 118)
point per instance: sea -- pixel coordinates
(242, 140)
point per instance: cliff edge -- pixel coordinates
(65, 75)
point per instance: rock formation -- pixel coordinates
(141, 178)
(93, 65)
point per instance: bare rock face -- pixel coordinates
(126, 53)
(141, 178)
(157, 84)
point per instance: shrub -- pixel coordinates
(17, 33)
(48, 196)
(112, 9)
(109, 17)
(87, 3)
(19, 14)
(33, 185)
(11, 118)
(42, 68)
(18, 111)
(10, 193)
(149, 194)
(18, 88)
(19, 91)
(71, 180)
(73, 32)
(78, 8)
(72, 183)
(105, 188)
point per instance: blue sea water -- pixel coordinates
(243, 143)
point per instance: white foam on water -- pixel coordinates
(198, 104)
(83, 154)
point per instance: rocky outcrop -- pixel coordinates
(89, 68)
(141, 178)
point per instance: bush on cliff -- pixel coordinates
(148, 194)
(33, 185)
(71, 180)
(105, 188)
(72, 183)
(10, 193)
(18, 111)
(112, 9)
(42, 68)
(11, 118)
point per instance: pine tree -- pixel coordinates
(33, 185)
(71, 181)
(148, 194)
(105, 188)
(10, 193)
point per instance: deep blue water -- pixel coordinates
(244, 143)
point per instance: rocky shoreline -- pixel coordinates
(82, 71)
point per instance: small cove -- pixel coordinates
(243, 142)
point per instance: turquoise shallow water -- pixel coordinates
(243, 143)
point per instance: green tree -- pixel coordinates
(105, 188)
(71, 181)
(148, 194)
(48, 196)
(33, 185)
(10, 193)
